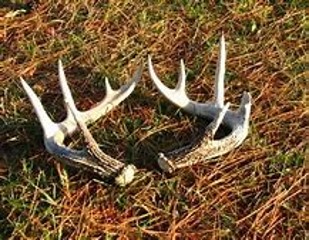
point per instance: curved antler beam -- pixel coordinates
(207, 147)
(91, 158)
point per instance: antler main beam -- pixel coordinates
(206, 147)
(91, 158)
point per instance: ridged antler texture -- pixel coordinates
(206, 147)
(91, 158)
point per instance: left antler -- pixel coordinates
(206, 147)
(91, 158)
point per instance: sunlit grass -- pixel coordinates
(256, 191)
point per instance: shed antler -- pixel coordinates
(91, 158)
(207, 147)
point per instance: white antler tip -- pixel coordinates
(150, 67)
(181, 85)
(28, 90)
(182, 64)
(26, 87)
(149, 58)
(23, 82)
(108, 87)
(59, 62)
(182, 69)
(222, 39)
(60, 69)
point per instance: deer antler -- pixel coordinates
(91, 158)
(207, 147)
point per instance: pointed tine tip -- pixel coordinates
(182, 66)
(61, 74)
(181, 62)
(150, 64)
(222, 35)
(220, 72)
(181, 85)
(26, 86)
(59, 62)
(222, 44)
(182, 69)
(60, 70)
(108, 87)
(149, 58)
(66, 92)
(23, 82)
(49, 127)
(222, 39)
(151, 69)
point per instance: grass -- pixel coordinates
(257, 191)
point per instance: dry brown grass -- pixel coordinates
(257, 191)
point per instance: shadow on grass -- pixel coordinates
(25, 137)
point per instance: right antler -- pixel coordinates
(91, 158)
(206, 147)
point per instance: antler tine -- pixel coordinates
(220, 71)
(91, 158)
(245, 106)
(181, 85)
(66, 92)
(127, 173)
(112, 98)
(178, 95)
(206, 147)
(49, 127)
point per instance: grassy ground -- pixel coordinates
(254, 192)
